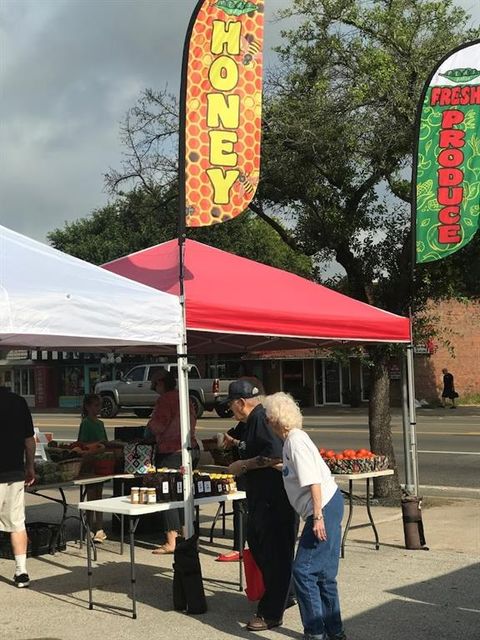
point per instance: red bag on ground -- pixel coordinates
(253, 576)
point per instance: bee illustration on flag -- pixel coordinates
(252, 51)
(248, 184)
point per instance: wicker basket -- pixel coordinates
(70, 469)
(358, 465)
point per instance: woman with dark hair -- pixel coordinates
(165, 426)
(93, 430)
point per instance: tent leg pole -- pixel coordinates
(412, 432)
(185, 434)
(409, 487)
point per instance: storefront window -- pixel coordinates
(365, 382)
(71, 381)
(292, 377)
(24, 382)
(328, 382)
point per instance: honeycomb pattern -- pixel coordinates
(201, 210)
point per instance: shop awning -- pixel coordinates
(235, 304)
(49, 299)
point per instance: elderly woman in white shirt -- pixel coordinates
(314, 495)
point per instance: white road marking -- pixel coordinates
(455, 453)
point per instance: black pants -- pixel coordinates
(240, 519)
(271, 538)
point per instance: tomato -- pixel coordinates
(340, 456)
(322, 452)
(330, 453)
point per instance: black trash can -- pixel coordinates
(412, 523)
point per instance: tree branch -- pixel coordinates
(282, 232)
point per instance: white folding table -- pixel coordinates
(352, 477)
(123, 507)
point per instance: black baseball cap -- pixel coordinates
(241, 389)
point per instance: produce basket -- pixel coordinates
(70, 469)
(358, 465)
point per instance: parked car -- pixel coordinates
(134, 391)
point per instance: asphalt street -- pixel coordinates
(448, 441)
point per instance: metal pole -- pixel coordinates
(409, 487)
(185, 437)
(412, 432)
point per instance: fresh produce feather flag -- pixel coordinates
(221, 109)
(446, 203)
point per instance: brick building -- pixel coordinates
(459, 324)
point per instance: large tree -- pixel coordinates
(339, 135)
(336, 156)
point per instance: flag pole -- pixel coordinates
(182, 349)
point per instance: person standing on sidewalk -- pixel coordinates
(17, 455)
(165, 427)
(314, 495)
(92, 429)
(271, 519)
(448, 389)
(235, 439)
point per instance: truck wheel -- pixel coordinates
(223, 411)
(198, 406)
(109, 407)
(142, 413)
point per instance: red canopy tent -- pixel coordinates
(263, 307)
(238, 305)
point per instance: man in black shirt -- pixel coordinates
(17, 453)
(271, 519)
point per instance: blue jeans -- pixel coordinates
(315, 574)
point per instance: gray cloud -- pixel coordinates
(69, 70)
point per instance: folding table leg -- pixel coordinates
(377, 541)
(81, 533)
(217, 515)
(132, 525)
(350, 515)
(89, 564)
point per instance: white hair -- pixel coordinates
(282, 410)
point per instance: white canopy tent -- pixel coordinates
(51, 300)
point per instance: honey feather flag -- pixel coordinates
(446, 202)
(221, 110)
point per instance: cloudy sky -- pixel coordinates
(69, 70)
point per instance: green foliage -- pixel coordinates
(339, 136)
(142, 218)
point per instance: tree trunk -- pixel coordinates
(379, 420)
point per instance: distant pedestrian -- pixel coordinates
(448, 389)
(17, 455)
(315, 496)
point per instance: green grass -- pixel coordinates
(471, 398)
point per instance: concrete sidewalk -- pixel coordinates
(391, 593)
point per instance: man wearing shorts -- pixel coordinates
(17, 453)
